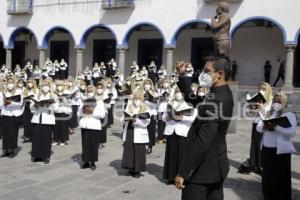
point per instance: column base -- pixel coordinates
(287, 89)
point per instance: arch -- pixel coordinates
(244, 21)
(13, 35)
(296, 39)
(134, 27)
(48, 34)
(184, 25)
(86, 33)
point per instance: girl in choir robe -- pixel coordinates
(56, 66)
(12, 109)
(277, 147)
(179, 119)
(135, 135)
(37, 74)
(87, 75)
(90, 113)
(63, 70)
(20, 89)
(62, 115)
(43, 121)
(102, 97)
(30, 92)
(150, 98)
(253, 164)
(113, 95)
(74, 96)
(161, 124)
(2, 84)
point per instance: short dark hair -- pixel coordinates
(221, 63)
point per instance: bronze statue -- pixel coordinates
(220, 25)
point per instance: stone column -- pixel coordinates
(79, 60)
(289, 68)
(8, 58)
(42, 57)
(121, 59)
(169, 62)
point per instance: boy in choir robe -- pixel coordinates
(135, 135)
(102, 97)
(12, 109)
(179, 118)
(151, 98)
(90, 113)
(62, 115)
(43, 121)
(30, 91)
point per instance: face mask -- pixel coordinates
(138, 87)
(46, 89)
(262, 92)
(178, 96)
(10, 86)
(165, 85)
(70, 84)
(30, 85)
(99, 91)
(20, 85)
(60, 88)
(82, 87)
(205, 80)
(109, 85)
(90, 94)
(277, 107)
(201, 94)
(147, 87)
(194, 89)
(137, 103)
(128, 82)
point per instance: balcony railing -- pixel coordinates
(215, 1)
(114, 4)
(17, 7)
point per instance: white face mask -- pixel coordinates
(99, 91)
(70, 84)
(147, 87)
(166, 85)
(108, 85)
(205, 80)
(90, 94)
(178, 96)
(277, 107)
(128, 82)
(46, 89)
(82, 87)
(138, 87)
(30, 85)
(10, 86)
(137, 103)
(201, 94)
(20, 85)
(60, 88)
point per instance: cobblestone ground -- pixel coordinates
(63, 178)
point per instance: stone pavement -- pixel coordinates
(63, 178)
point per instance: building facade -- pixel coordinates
(87, 31)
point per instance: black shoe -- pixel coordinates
(137, 175)
(26, 140)
(12, 155)
(85, 165)
(4, 155)
(93, 167)
(47, 161)
(149, 150)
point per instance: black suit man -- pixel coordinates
(205, 164)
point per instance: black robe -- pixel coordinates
(89, 139)
(41, 141)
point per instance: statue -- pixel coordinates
(220, 25)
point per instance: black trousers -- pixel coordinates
(152, 131)
(10, 130)
(89, 141)
(255, 151)
(280, 76)
(41, 141)
(276, 176)
(212, 191)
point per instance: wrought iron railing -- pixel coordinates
(113, 4)
(19, 7)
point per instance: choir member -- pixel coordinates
(56, 66)
(90, 113)
(45, 71)
(87, 75)
(96, 74)
(151, 98)
(179, 118)
(161, 124)
(74, 96)
(152, 72)
(104, 70)
(30, 91)
(162, 72)
(277, 147)
(37, 74)
(135, 135)
(63, 69)
(28, 69)
(43, 122)
(2, 84)
(12, 109)
(62, 115)
(112, 93)
(103, 98)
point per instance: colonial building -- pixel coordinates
(87, 31)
